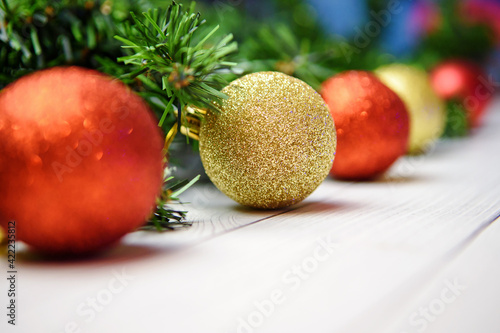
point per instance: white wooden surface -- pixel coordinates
(354, 257)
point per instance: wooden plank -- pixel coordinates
(464, 297)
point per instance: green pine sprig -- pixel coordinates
(178, 64)
(456, 120)
(165, 218)
(277, 48)
(38, 34)
(455, 38)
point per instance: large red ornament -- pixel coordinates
(466, 83)
(81, 160)
(371, 121)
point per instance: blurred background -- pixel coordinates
(311, 39)
(363, 34)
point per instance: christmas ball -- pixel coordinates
(426, 110)
(81, 160)
(371, 121)
(466, 84)
(272, 143)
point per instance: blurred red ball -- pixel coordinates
(372, 124)
(466, 83)
(483, 12)
(81, 160)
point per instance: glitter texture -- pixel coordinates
(273, 142)
(427, 111)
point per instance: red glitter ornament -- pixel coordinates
(371, 121)
(465, 82)
(81, 160)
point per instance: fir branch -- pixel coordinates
(277, 48)
(167, 53)
(455, 38)
(165, 218)
(37, 34)
(4, 6)
(456, 120)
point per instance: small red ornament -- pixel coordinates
(482, 12)
(466, 83)
(372, 124)
(81, 160)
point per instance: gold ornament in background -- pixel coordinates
(427, 111)
(273, 142)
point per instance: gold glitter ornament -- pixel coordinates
(427, 111)
(273, 142)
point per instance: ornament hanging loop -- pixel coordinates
(169, 138)
(191, 121)
(190, 124)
